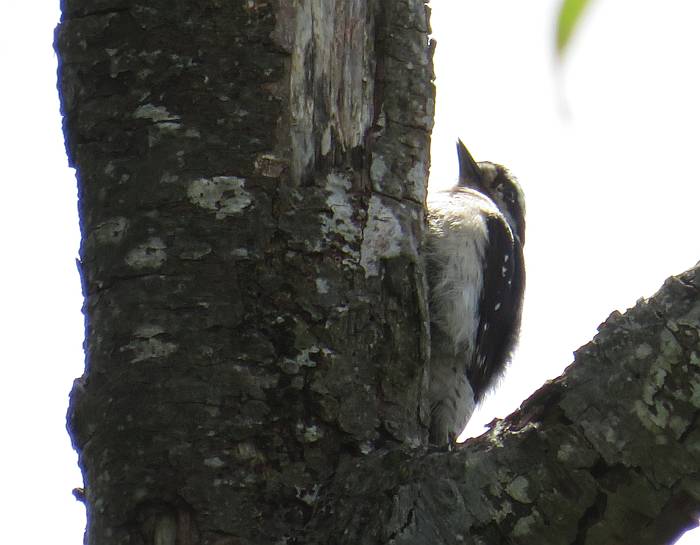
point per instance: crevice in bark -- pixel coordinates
(591, 516)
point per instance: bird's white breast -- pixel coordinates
(457, 240)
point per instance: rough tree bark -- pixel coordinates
(252, 179)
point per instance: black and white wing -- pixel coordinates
(500, 306)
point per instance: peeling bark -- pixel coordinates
(252, 180)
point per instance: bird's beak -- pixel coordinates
(469, 172)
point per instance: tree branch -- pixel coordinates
(607, 453)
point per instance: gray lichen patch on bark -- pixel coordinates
(148, 344)
(111, 231)
(226, 195)
(157, 114)
(147, 255)
(383, 236)
(343, 220)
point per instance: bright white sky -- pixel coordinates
(604, 147)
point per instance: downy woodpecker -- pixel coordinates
(476, 277)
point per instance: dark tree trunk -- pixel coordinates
(252, 179)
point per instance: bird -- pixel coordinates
(476, 279)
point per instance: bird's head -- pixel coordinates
(496, 183)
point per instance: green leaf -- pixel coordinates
(569, 17)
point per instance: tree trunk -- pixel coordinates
(252, 180)
(252, 177)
